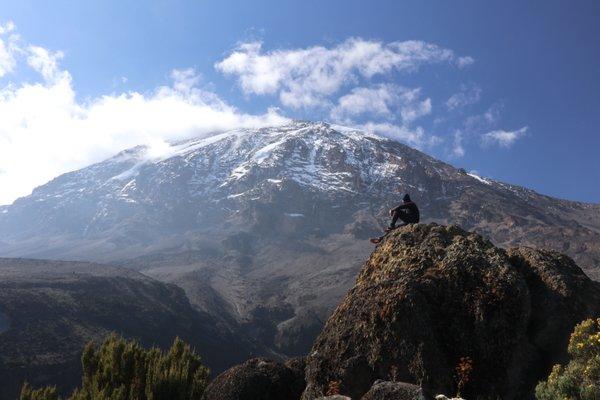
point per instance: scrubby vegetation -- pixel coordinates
(47, 393)
(580, 378)
(124, 370)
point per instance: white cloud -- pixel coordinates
(458, 149)
(484, 128)
(339, 79)
(8, 48)
(8, 27)
(45, 130)
(361, 100)
(306, 77)
(463, 62)
(384, 100)
(503, 138)
(185, 80)
(413, 136)
(412, 108)
(485, 122)
(468, 95)
(46, 63)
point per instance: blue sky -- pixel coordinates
(509, 89)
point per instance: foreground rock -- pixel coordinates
(382, 390)
(335, 397)
(431, 296)
(259, 379)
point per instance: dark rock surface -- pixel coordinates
(259, 379)
(386, 390)
(431, 295)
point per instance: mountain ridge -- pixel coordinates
(267, 228)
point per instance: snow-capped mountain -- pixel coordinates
(267, 227)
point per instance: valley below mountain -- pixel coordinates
(266, 229)
(51, 309)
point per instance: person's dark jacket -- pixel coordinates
(410, 212)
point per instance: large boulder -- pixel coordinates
(385, 390)
(259, 379)
(436, 306)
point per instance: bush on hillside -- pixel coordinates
(580, 379)
(47, 393)
(124, 370)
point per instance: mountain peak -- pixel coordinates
(268, 227)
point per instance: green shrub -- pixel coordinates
(124, 370)
(580, 379)
(47, 393)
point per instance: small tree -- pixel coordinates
(463, 373)
(124, 370)
(580, 378)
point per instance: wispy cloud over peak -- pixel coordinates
(468, 94)
(416, 136)
(304, 77)
(356, 81)
(503, 138)
(463, 62)
(457, 150)
(383, 100)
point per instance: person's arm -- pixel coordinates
(403, 206)
(398, 208)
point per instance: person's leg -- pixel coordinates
(398, 215)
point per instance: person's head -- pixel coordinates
(406, 198)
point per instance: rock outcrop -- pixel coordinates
(431, 298)
(385, 390)
(259, 379)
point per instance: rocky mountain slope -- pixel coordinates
(49, 310)
(266, 229)
(431, 296)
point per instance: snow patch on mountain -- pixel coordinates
(245, 164)
(480, 179)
